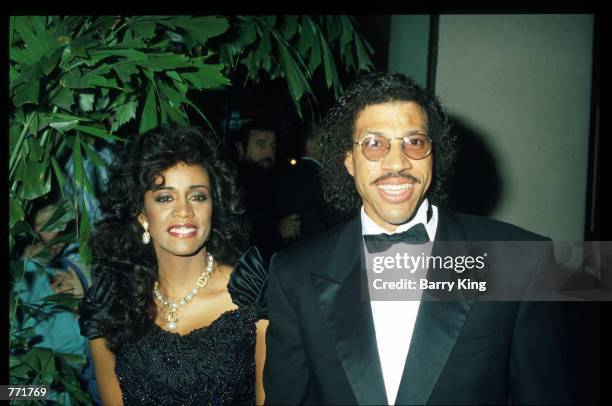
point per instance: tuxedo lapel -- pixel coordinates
(349, 317)
(437, 326)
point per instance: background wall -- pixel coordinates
(519, 88)
(409, 46)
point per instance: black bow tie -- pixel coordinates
(382, 242)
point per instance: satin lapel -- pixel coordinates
(436, 329)
(349, 317)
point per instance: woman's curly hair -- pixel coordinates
(116, 242)
(338, 127)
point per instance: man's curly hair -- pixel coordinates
(338, 128)
(116, 241)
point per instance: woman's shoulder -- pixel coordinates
(247, 283)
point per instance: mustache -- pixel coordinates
(389, 175)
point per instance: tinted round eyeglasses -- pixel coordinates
(375, 147)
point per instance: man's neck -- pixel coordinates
(419, 216)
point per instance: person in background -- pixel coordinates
(55, 327)
(300, 197)
(260, 181)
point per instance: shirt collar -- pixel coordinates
(368, 226)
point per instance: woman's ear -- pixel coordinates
(142, 218)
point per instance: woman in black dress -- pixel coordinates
(168, 318)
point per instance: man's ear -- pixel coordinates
(348, 163)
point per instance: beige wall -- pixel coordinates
(523, 82)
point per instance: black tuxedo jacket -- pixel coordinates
(321, 344)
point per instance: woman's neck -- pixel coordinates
(178, 275)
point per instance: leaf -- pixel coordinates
(74, 389)
(84, 231)
(29, 74)
(314, 61)
(66, 117)
(21, 371)
(63, 214)
(59, 174)
(97, 132)
(16, 212)
(37, 358)
(201, 28)
(63, 126)
(148, 119)
(47, 371)
(307, 39)
(124, 114)
(22, 228)
(349, 61)
(26, 93)
(78, 172)
(36, 179)
(102, 101)
(207, 77)
(95, 80)
(94, 156)
(246, 33)
(293, 80)
(329, 66)
(72, 80)
(64, 98)
(264, 48)
(125, 70)
(175, 114)
(175, 97)
(76, 358)
(363, 59)
(36, 152)
(270, 20)
(47, 64)
(64, 300)
(130, 54)
(334, 27)
(289, 27)
(35, 46)
(146, 29)
(165, 62)
(347, 32)
(86, 101)
(14, 135)
(178, 81)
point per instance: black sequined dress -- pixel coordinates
(211, 365)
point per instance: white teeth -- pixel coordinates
(182, 230)
(395, 188)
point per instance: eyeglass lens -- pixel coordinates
(415, 146)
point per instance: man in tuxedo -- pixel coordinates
(387, 149)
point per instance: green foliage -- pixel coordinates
(294, 47)
(75, 81)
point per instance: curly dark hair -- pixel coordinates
(116, 242)
(338, 127)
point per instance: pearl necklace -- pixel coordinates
(174, 307)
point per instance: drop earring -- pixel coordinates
(146, 236)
